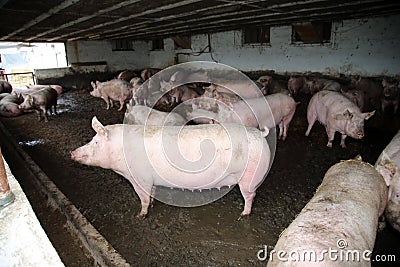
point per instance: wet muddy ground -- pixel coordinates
(209, 235)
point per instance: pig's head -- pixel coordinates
(97, 151)
(266, 80)
(390, 89)
(354, 122)
(28, 102)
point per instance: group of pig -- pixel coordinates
(367, 94)
(17, 101)
(263, 104)
(340, 107)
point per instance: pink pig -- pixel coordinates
(338, 114)
(158, 168)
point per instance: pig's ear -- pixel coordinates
(368, 115)
(387, 171)
(93, 84)
(99, 128)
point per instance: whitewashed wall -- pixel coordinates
(96, 51)
(363, 46)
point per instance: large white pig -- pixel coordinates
(143, 115)
(338, 114)
(253, 112)
(338, 225)
(189, 157)
(388, 164)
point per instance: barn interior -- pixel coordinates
(316, 38)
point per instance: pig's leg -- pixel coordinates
(55, 109)
(153, 192)
(281, 130)
(342, 144)
(144, 197)
(39, 115)
(331, 135)
(121, 103)
(248, 199)
(44, 110)
(107, 102)
(286, 121)
(311, 118)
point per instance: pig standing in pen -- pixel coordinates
(342, 216)
(251, 157)
(116, 89)
(41, 101)
(338, 114)
(252, 112)
(388, 164)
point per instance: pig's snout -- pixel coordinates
(72, 153)
(360, 135)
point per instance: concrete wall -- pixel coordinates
(365, 47)
(81, 52)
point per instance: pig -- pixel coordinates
(342, 216)
(388, 165)
(9, 105)
(253, 112)
(390, 95)
(41, 101)
(318, 84)
(244, 89)
(355, 96)
(182, 93)
(372, 91)
(147, 73)
(143, 115)
(145, 172)
(127, 75)
(5, 87)
(338, 114)
(136, 83)
(117, 90)
(37, 87)
(273, 86)
(191, 79)
(226, 98)
(296, 85)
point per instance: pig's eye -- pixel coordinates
(397, 196)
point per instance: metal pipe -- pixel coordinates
(6, 196)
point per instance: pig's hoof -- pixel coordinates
(343, 145)
(141, 216)
(329, 145)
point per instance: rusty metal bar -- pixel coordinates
(6, 196)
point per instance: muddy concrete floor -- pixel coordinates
(209, 235)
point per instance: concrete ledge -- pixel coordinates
(23, 241)
(102, 252)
